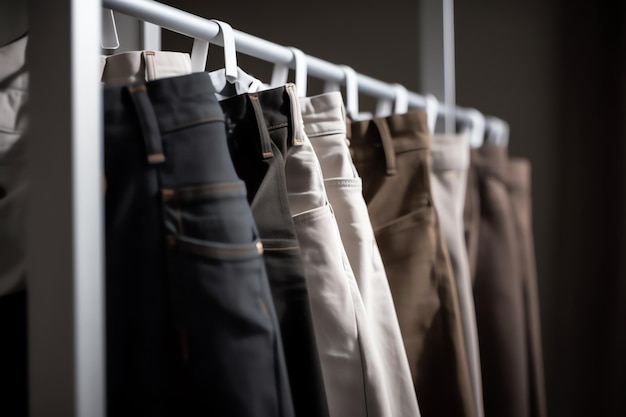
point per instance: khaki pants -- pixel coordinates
(392, 156)
(519, 182)
(450, 162)
(493, 247)
(325, 126)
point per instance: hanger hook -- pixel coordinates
(476, 127)
(401, 101)
(352, 91)
(280, 72)
(301, 70)
(109, 39)
(432, 111)
(200, 51)
(497, 131)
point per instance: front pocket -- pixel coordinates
(228, 329)
(209, 212)
(423, 212)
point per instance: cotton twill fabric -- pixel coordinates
(519, 182)
(350, 365)
(13, 207)
(132, 66)
(13, 123)
(392, 156)
(325, 125)
(450, 156)
(191, 326)
(260, 134)
(498, 297)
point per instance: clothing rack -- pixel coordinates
(185, 23)
(65, 199)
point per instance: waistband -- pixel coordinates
(275, 104)
(491, 160)
(178, 102)
(263, 112)
(323, 114)
(450, 152)
(519, 174)
(408, 130)
(391, 136)
(133, 66)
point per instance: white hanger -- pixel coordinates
(401, 102)
(200, 52)
(352, 94)
(109, 39)
(280, 72)
(497, 131)
(399, 105)
(432, 110)
(384, 107)
(476, 128)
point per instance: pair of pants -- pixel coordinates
(499, 239)
(392, 156)
(13, 208)
(260, 135)
(350, 363)
(191, 326)
(493, 247)
(450, 156)
(519, 181)
(325, 126)
(13, 123)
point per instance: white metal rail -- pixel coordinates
(194, 26)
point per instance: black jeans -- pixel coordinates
(260, 132)
(191, 325)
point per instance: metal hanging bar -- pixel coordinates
(185, 23)
(65, 222)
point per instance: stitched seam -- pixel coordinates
(169, 194)
(194, 123)
(280, 248)
(278, 126)
(325, 132)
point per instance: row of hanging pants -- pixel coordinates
(268, 256)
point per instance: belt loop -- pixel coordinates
(266, 141)
(148, 123)
(103, 63)
(387, 141)
(150, 65)
(297, 123)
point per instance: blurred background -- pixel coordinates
(556, 71)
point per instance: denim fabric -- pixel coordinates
(260, 133)
(392, 156)
(191, 325)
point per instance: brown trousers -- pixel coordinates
(519, 181)
(392, 157)
(501, 254)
